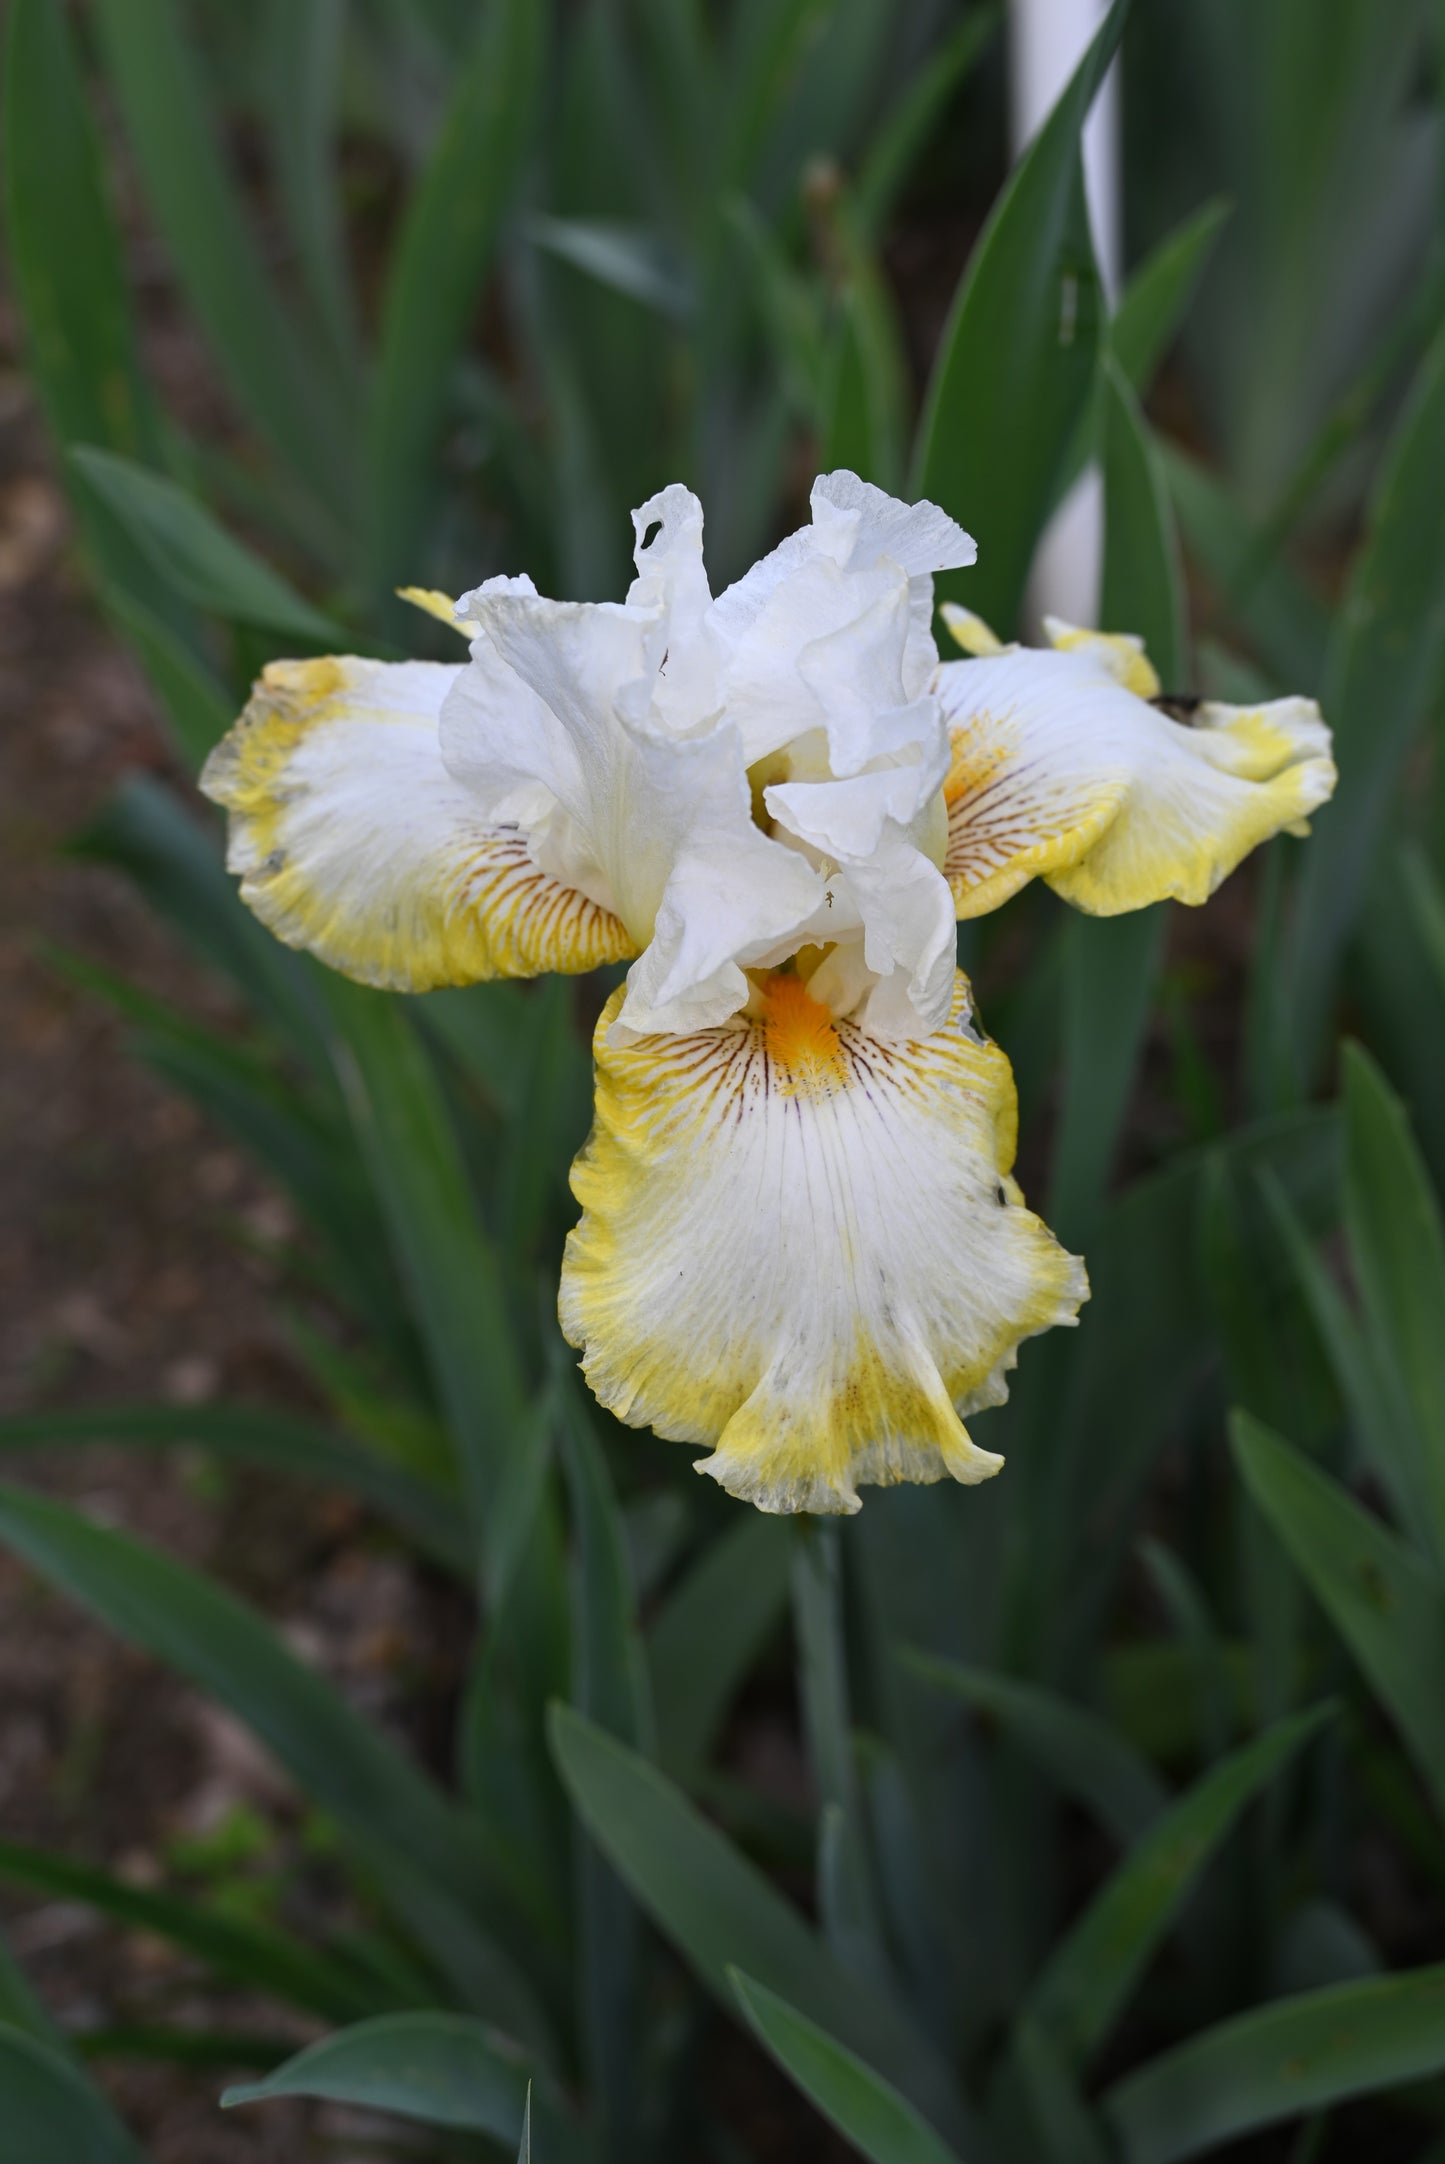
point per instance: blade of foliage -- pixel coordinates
(1151, 1691)
(1085, 1757)
(1397, 1248)
(524, 2147)
(1149, 1345)
(610, 1686)
(710, 1630)
(788, 306)
(1370, 1388)
(1404, 338)
(443, 2069)
(64, 252)
(1427, 904)
(1047, 2102)
(1111, 964)
(50, 2112)
(250, 1953)
(1272, 1362)
(901, 136)
(407, 1139)
(195, 556)
(1385, 670)
(375, 1794)
(1187, 1609)
(865, 392)
(1151, 308)
(149, 834)
(294, 1139)
(302, 52)
(825, 109)
(484, 1027)
(1157, 296)
(197, 703)
(1143, 584)
(67, 273)
(67, 268)
(847, 1896)
(556, 1090)
(1397, 978)
(1286, 623)
(1019, 346)
(21, 2009)
(299, 1146)
(611, 1683)
(259, 1435)
(720, 1911)
(1387, 1605)
(380, 1404)
(765, 48)
(177, 144)
(867, 2111)
(188, 2047)
(1278, 2061)
(520, 1662)
(680, 81)
(1089, 1977)
(626, 259)
(438, 269)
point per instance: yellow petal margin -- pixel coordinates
(353, 841)
(1062, 771)
(801, 1244)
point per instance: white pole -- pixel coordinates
(1047, 39)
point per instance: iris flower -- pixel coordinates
(800, 1243)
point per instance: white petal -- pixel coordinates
(1060, 771)
(802, 1246)
(864, 552)
(353, 841)
(657, 826)
(731, 896)
(855, 516)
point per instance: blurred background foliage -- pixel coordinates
(1110, 1759)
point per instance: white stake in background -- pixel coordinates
(1047, 39)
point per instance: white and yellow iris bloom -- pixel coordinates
(800, 1243)
(1067, 766)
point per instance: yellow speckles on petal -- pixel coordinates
(1121, 652)
(436, 604)
(970, 631)
(802, 1041)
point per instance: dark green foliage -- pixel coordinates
(1079, 1858)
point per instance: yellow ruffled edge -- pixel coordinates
(694, 1397)
(1096, 864)
(478, 908)
(1137, 861)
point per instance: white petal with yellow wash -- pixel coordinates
(353, 840)
(801, 1244)
(1065, 766)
